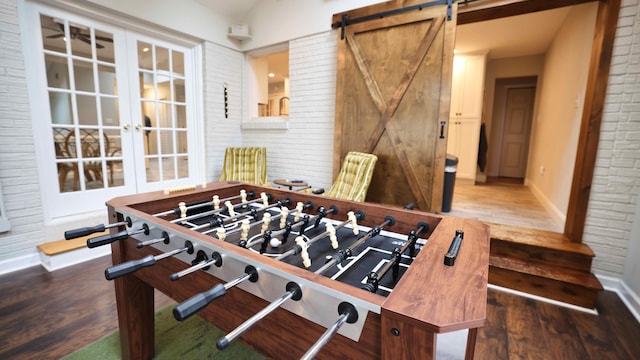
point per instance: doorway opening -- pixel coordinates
(538, 172)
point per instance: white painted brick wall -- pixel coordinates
(616, 181)
(221, 65)
(305, 150)
(18, 167)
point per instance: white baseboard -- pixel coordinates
(557, 215)
(543, 299)
(628, 297)
(62, 260)
(19, 263)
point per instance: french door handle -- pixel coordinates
(138, 127)
(125, 127)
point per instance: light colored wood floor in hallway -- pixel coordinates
(509, 204)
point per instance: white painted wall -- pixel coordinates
(18, 166)
(188, 17)
(555, 128)
(631, 275)
(277, 21)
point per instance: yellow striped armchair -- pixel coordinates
(245, 164)
(354, 178)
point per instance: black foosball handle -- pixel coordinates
(128, 267)
(197, 302)
(107, 239)
(76, 233)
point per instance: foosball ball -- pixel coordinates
(295, 275)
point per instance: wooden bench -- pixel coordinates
(61, 253)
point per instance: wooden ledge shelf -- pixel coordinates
(62, 246)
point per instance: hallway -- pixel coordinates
(509, 204)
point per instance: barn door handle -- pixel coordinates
(442, 124)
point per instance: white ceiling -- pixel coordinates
(234, 9)
(513, 36)
(528, 34)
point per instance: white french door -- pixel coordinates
(113, 110)
(163, 127)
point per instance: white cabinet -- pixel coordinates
(466, 113)
(467, 86)
(464, 135)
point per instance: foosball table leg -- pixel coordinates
(135, 305)
(471, 344)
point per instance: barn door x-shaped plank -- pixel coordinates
(388, 109)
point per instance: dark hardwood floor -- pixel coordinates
(48, 315)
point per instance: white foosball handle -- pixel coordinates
(245, 226)
(216, 202)
(284, 212)
(266, 219)
(265, 198)
(243, 195)
(304, 253)
(354, 222)
(229, 206)
(332, 235)
(221, 233)
(299, 207)
(183, 209)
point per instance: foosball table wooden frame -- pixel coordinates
(430, 298)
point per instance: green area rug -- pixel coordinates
(193, 338)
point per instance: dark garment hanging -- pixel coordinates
(482, 149)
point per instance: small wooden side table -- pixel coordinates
(291, 183)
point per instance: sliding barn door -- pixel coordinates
(393, 92)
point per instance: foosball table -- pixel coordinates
(295, 275)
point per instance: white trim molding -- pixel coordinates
(628, 297)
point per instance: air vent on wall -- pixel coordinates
(239, 32)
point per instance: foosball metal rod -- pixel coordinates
(293, 292)
(217, 211)
(109, 238)
(199, 301)
(298, 220)
(323, 212)
(359, 215)
(253, 213)
(348, 314)
(374, 277)
(176, 211)
(341, 255)
(200, 262)
(85, 231)
(128, 267)
(164, 238)
(290, 227)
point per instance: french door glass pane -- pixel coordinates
(60, 104)
(107, 80)
(178, 63)
(162, 94)
(162, 59)
(83, 105)
(104, 46)
(109, 109)
(57, 72)
(83, 75)
(87, 110)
